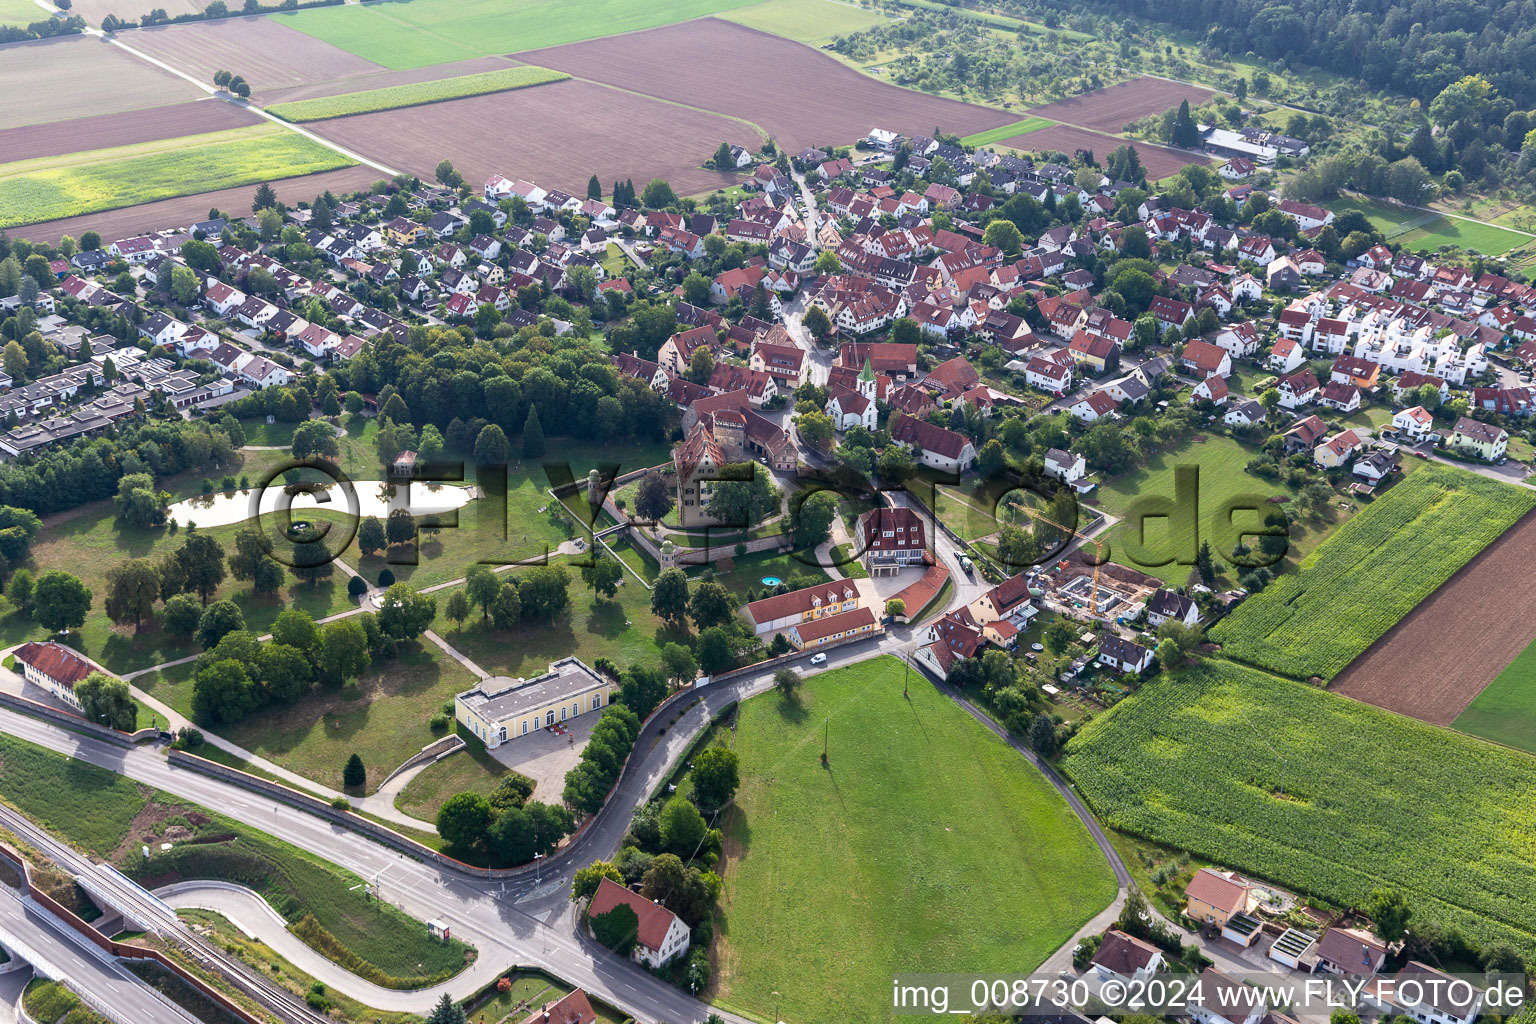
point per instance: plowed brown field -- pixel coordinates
(383, 79)
(79, 76)
(1441, 655)
(1112, 108)
(558, 135)
(1159, 162)
(105, 130)
(267, 54)
(184, 210)
(798, 95)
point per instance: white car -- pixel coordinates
(818, 659)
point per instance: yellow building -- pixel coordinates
(502, 708)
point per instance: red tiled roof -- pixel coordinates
(55, 661)
(655, 919)
(1217, 890)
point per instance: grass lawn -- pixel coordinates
(88, 541)
(470, 769)
(417, 93)
(1007, 131)
(436, 31)
(110, 817)
(813, 22)
(21, 13)
(1220, 461)
(1506, 709)
(1199, 762)
(928, 845)
(382, 719)
(746, 578)
(622, 629)
(1418, 229)
(106, 179)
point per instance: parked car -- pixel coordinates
(818, 659)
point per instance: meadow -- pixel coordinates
(20, 13)
(415, 94)
(1320, 794)
(813, 22)
(1505, 711)
(1007, 131)
(1426, 230)
(47, 188)
(109, 816)
(1372, 572)
(925, 844)
(427, 32)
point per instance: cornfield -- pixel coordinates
(1320, 794)
(1371, 573)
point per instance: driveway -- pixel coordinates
(545, 756)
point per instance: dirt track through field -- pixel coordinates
(1112, 108)
(1159, 162)
(106, 130)
(798, 95)
(1435, 661)
(266, 53)
(557, 135)
(184, 210)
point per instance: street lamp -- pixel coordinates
(538, 876)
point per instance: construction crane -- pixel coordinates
(1098, 550)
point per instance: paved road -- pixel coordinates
(56, 950)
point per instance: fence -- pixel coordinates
(76, 722)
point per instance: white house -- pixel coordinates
(1123, 957)
(661, 937)
(54, 668)
(1416, 423)
(1123, 655)
(1248, 413)
(1068, 467)
(1167, 606)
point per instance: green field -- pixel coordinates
(417, 93)
(813, 22)
(1220, 461)
(1506, 709)
(1372, 800)
(1424, 229)
(926, 845)
(427, 32)
(106, 179)
(20, 13)
(1007, 131)
(110, 817)
(1371, 573)
(470, 769)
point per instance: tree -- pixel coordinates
(816, 320)
(533, 435)
(265, 199)
(787, 682)
(810, 520)
(107, 701)
(200, 561)
(653, 497)
(184, 285)
(682, 890)
(449, 1012)
(492, 447)
(594, 188)
(405, 614)
(682, 827)
(400, 527)
(181, 616)
(446, 175)
(457, 608)
(643, 688)
(587, 879)
(669, 598)
(1004, 234)
(223, 692)
(463, 820)
(716, 775)
(285, 671)
(218, 620)
(992, 459)
(545, 592)
(15, 360)
(371, 538)
(658, 194)
(508, 607)
(354, 775)
(816, 429)
(1390, 913)
(1184, 133)
(1042, 735)
(314, 438)
(342, 652)
(603, 575)
(618, 929)
(744, 496)
(696, 290)
(1205, 564)
(896, 463)
(679, 664)
(711, 605)
(133, 587)
(138, 503)
(1059, 635)
(60, 601)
